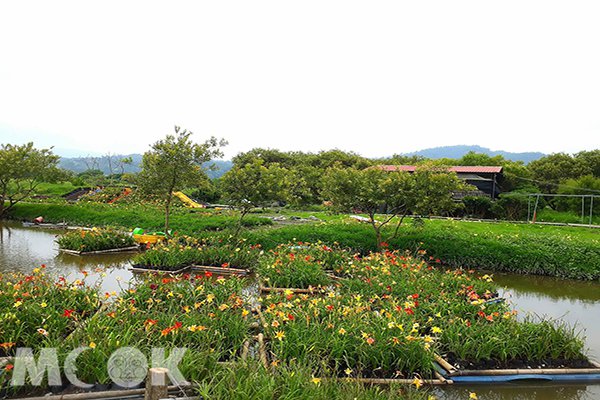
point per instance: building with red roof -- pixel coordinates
(484, 178)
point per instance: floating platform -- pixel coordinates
(130, 249)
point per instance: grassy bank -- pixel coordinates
(525, 249)
(147, 216)
(520, 248)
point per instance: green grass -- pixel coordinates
(568, 252)
(147, 216)
(519, 248)
(549, 215)
(54, 189)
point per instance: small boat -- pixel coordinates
(143, 237)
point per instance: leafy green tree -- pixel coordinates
(554, 168)
(22, 169)
(371, 191)
(585, 185)
(175, 163)
(590, 162)
(255, 185)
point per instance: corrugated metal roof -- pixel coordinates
(458, 169)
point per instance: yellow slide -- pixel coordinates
(187, 201)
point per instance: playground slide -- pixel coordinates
(187, 201)
(126, 192)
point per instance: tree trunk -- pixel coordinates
(377, 230)
(167, 214)
(239, 227)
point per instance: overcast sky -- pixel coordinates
(375, 77)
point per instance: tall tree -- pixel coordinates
(175, 163)
(22, 168)
(255, 185)
(372, 191)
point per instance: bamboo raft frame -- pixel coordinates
(452, 371)
(130, 249)
(220, 270)
(139, 270)
(108, 394)
(193, 268)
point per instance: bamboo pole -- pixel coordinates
(245, 350)
(282, 290)
(85, 253)
(109, 394)
(382, 381)
(261, 317)
(262, 351)
(158, 271)
(445, 364)
(537, 371)
(220, 270)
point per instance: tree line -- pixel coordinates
(262, 177)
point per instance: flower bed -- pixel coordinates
(300, 265)
(95, 241)
(394, 313)
(206, 316)
(38, 312)
(185, 251)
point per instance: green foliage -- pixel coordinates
(300, 265)
(22, 169)
(185, 251)
(517, 248)
(585, 185)
(513, 206)
(426, 191)
(393, 312)
(477, 206)
(173, 164)
(130, 215)
(554, 168)
(255, 185)
(38, 311)
(94, 240)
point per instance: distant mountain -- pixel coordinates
(113, 164)
(461, 150)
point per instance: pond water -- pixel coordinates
(23, 249)
(577, 303)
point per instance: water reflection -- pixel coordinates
(521, 391)
(23, 249)
(557, 299)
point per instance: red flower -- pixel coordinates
(153, 286)
(409, 311)
(415, 296)
(208, 274)
(8, 367)
(329, 307)
(67, 313)
(225, 265)
(291, 317)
